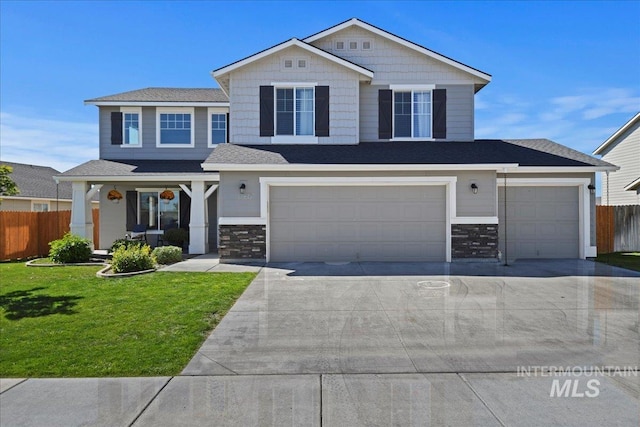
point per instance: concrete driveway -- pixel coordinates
(371, 344)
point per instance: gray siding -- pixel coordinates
(244, 96)
(148, 150)
(460, 112)
(25, 205)
(234, 204)
(626, 154)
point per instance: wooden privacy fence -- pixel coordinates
(27, 234)
(618, 228)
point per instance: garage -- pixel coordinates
(541, 222)
(357, 223)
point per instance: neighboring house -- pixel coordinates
(352, 144)
(622, 149)
(38, 191)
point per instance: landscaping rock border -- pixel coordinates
(32, 263)
(101, 273)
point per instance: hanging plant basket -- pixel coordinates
(114, 195)
(167, 195)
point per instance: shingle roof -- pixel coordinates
(135, 168)
(37, 181)
(166, 94)
(531, 152)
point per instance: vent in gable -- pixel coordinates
(339, 45)
(353, 45)
(366, 45)
(288, 63)
(302, 63)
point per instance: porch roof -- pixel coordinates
(138, 170)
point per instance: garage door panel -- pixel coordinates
(367, 223)
(542, 222)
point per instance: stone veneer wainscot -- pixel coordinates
(474, 241)
(243, 242)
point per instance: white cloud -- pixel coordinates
(56, 143)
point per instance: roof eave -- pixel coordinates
(354, 21)
(156, 103)
(634, 186)
(616, 135)
(178, 177)
(222, 167)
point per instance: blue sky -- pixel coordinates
(567, 71)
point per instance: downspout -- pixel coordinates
(506, 251)
(57, 208)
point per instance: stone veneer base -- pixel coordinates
(474, 241)
(242, 242)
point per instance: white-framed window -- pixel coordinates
(294, 111)
(156, 213)
(131, 126)
(412, 112)
(339, 44)
(367, 44)
(39, 206)
(218, 126)
(174, 127)
(353, 45)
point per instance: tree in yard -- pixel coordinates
(7, 186)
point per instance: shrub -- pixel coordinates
(126, 243)
(127, 260)
(167, 254)
(176, 236)
(70, 249)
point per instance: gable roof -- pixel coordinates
(633, 186)
(137, 170)
(635, 119)
(407, 43)
(216, 74)
(523, 153)
(37, 182)
(164, 96)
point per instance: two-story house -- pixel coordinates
(622, 149)
(352, 144)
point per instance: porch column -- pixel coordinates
(198, 225)
(81, 217)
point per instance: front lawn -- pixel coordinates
(630, 260)
(66, 322)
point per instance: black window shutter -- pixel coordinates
(228, 128)
(266, 111)
(322, 110)
(439, 113)
(132, 209)
(385, 113)
(116, 128)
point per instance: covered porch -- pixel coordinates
(131, 194)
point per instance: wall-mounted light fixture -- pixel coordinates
(243, 187)
(474, 188)
(592, 188)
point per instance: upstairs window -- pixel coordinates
(412, 114)
(218, 126)
(294, 111)
(131, 131)
(175, 128)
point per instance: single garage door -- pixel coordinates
(350, 223)
(542, 222)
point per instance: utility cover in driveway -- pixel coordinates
(541, 222)
(349, 223)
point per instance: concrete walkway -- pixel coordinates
(368, 344)
(210, 263)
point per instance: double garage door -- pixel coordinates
(541, 222)
(357, 223)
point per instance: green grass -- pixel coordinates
(630, 260)
(65, 322)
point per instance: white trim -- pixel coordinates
(407, 139)
(208, 192)
(633, 186)
(475, 220)
(186, 189)
(210, 112)
(214, 177)
(92, 191)
(229, 220)
(406, 43)
(294, 139)
(158, 190)
(175, 110)
(584, 203)
(131, 110)
(343, 168)
(293, 85)
(411, 88)
(156, 104)
(560, 169)
(617, 134)
(448, 181)
(293, 42)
